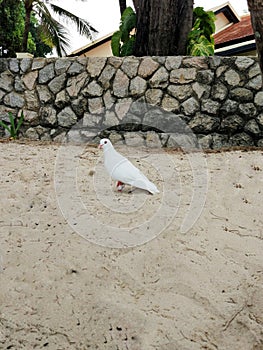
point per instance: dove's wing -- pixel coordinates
(127, 173)
(121, 169)
(112, 159)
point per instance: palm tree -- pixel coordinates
(53, 32)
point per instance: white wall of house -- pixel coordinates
(103, 50)
(221, 22)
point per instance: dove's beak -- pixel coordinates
(100, 146)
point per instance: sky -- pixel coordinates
(104, 15)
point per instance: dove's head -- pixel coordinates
(105, 144)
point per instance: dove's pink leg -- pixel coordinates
(120, 186)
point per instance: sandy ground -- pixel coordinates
(65, 286)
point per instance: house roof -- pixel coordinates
(236, 32)
(228, 11)
(91, 45)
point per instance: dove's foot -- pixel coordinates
(120, 186)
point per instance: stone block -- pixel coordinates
(232, 77)
(241, 139)
(190, 106)
(14, 99)
(138, 86)
(173, 62)
(29, 79)
(130, 66)
(154, 96)
(106, 76)
(95, 65)
(160, 79)
(6, 81)
(62, 65)
(46, 74)
(58, 83)
(147, 67)
(75, 68)
(232, 123)
(180, 92)
(247, 109)
(243, 63)
(183, 75)
(252, 127)
(44, 94)
(210, 106)
(241, 94)
(170, 104)
(203, 123)
(67, 117)
(121, 84)
(259, 99)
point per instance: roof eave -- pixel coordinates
(235, 41)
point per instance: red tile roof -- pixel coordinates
(236, 31)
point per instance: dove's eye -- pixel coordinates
(105, 142)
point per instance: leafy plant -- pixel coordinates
(200, 39)
(14, 126)
(122, 41)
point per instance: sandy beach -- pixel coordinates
(99, 269)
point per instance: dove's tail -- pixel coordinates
(152, 188)
(144, 184)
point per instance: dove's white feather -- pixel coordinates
(121, 169)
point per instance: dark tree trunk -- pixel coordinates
(122, 5)
(28, 9)
(136, 4)
(185, 24)
(256, 11)
(162, 26)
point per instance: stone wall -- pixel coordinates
(219, 99)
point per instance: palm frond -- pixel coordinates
(52, 31)
(83, 27)
(56, 34)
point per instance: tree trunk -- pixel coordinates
(162, 27)
(28, 10)
(256, 10)
(136, 4)
(122, 5)
(185, 24)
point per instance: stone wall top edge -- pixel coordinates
(169, 62)
(52, 59)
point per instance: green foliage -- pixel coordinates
(36, 42)
(128, 23)
(122, 41)
(127, 47)
(11, 26)
(116, 43)
(200, 39)
(45, 32)
(14, 126)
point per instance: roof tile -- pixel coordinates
(236, 31)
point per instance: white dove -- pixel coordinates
(122, 170)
